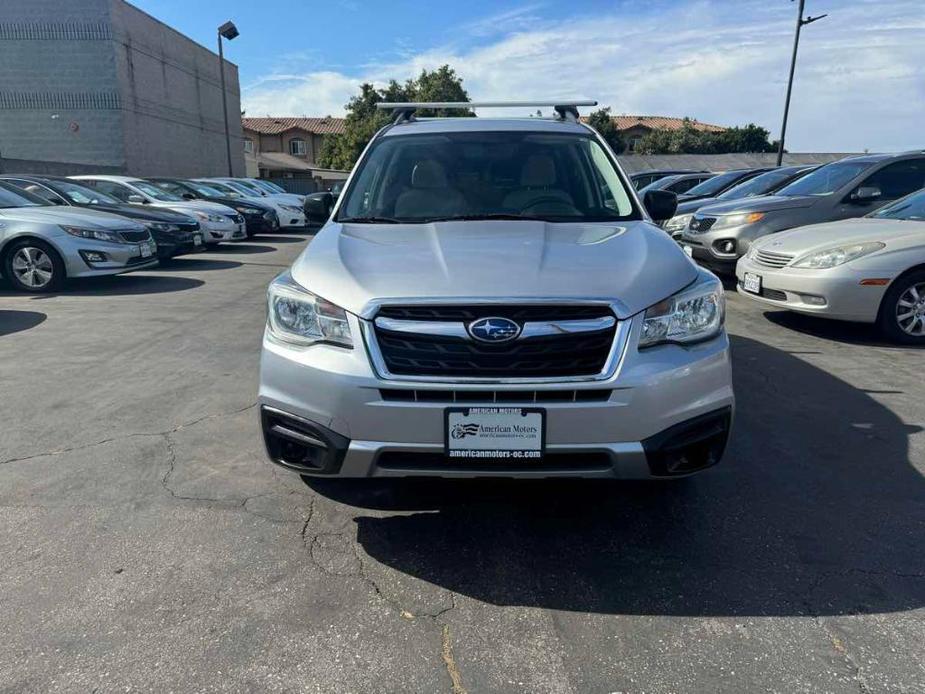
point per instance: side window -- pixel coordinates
(42, 192)
(899, 179)
(297, 147)
(683, 186)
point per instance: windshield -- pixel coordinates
(11, 196)
(237, 188)
(153, 191)
(486, 175)
(268, 186)
(249, 187)
(220, 188)
(660, 183)
(714, 185)
(208, 191)
(826, 179)
(81, 195)
(759, 185)
(911, 207)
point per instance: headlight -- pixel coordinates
(247, 210)
(99, 235)
(298, 317)
(678, 222)
(160, 226)
(736, 220)
(291, 208)
(693, 314)
(209, 217)
(831, 257)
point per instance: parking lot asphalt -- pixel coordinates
(148, 545)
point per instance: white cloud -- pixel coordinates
(860, 76)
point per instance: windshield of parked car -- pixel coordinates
(486, 175)
(268, 186)
(222, 189)
(826, 179)
(911, 207)
(660, 183)
(714, 185)
(252, 189)
(81, 195)
(239, 189)
(207, 191)
(759, 185)
(153, 191)
(11, 196)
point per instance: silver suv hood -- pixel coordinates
(634, 264)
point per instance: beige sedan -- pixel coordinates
(870, 270)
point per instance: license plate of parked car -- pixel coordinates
(752, 283)
(197, 240)
(689, 250)
(145, 250)
(495, 432)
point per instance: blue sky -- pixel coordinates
(860, 78)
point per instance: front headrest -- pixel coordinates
(539, 171)
(428, 174)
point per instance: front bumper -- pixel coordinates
(216, 232)
(845, 298)
(704, 254)
(291, 218)
(336, 394)
(119, 257)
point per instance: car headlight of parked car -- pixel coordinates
(209, 217)
(694, 314)
(678, 222)
(97, 234)
(298, 317)
(250, 211)
(726, 221)
(839, 255)
(291, 208)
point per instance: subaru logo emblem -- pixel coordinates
(494, 329)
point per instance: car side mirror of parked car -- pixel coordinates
(136, 199)
(189, 196)
(660, 204)
(865, 194)
(317, 209)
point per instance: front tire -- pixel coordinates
(902, 313)
(33, 266)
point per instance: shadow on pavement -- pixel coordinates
(826, 329)
(247, 248)
(280, 239)
(17, 321)
(118, 285)
(816, 509)
(184, 263)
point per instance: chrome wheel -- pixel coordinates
(32, 267)
(910, 310)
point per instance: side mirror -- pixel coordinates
(318, 208)
(188, 196)
(660, 204)
(136, 199)
(865, 194)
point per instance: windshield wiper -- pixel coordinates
(371, 220)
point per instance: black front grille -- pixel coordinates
(701, 224)
(188, 226)
(412, 354)
(236, 218)
(134, 236)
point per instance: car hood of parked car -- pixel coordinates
(147, 214)
(764, 203)
(69, 216)
(633, 264)
(690, 206)
(184, 206)
(815, 237)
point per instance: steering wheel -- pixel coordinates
(557, 204)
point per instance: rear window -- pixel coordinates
(486, 175)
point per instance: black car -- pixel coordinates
(174, 233)
(641, 179)
(720, 183)
(259, 218)
(677, 183)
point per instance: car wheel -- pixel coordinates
(33, 266)
(902, 314)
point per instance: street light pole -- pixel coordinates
(793, 65)
(229, 31)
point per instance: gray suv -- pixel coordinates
(718, 235)
(490, 297)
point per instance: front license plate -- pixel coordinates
(197, 240)
(689, 250)
(495, 432)
(751, 283)
(145, 250)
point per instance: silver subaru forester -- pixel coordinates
(491, 298)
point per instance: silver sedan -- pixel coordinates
(870, 269)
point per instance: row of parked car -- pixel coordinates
(845, 240)
(54, 228)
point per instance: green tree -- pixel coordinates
(688, 139)
(364, 120)
(602, 121)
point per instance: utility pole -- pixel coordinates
(229, 31)
(793, 64)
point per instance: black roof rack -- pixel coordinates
(404, 111)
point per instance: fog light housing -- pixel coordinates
(813, 300)
(94, 256)
(725, 246)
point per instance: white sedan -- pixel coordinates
(870, 270)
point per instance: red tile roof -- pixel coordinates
(274, 126)
(662, 123)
